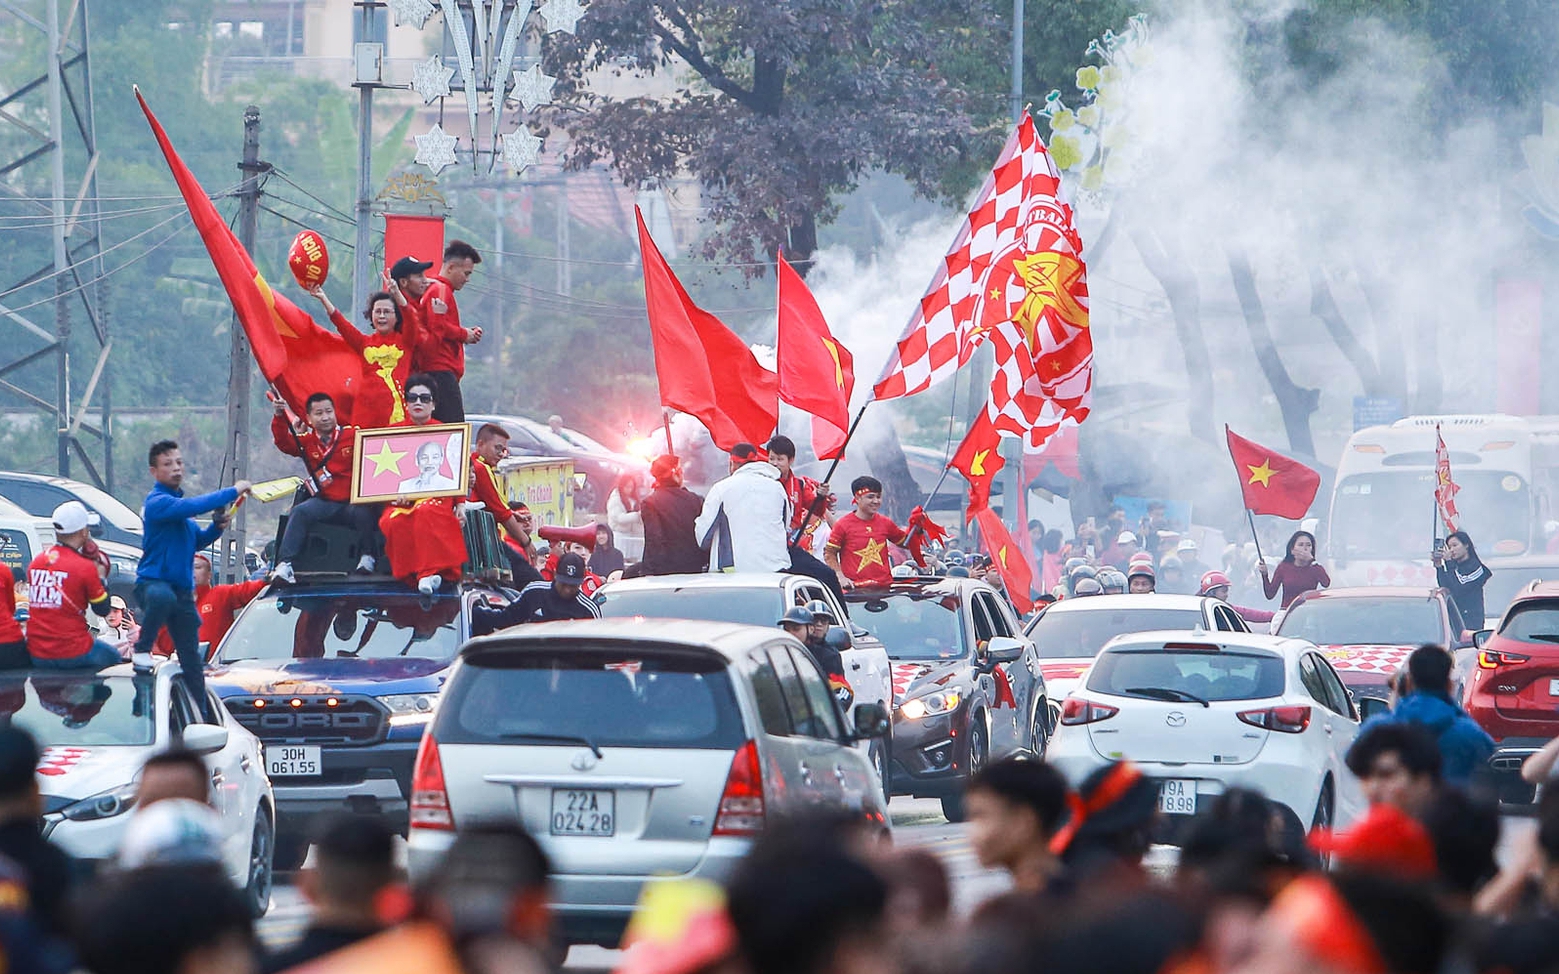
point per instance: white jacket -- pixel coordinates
(756, 510)
(627, 527)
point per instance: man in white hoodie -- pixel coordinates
(743, 521)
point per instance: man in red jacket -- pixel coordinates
(218, 606)
(326, 451)
(442, 353)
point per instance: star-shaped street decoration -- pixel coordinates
(386, 459)
(561, 14)
(413, 12)
(430, 79)
(435, 149)
(521, 149)
(532, 88)
(1262, 474)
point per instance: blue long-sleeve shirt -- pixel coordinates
(171, 537)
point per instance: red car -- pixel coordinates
(1513, 691)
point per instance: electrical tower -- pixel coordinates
(49, 206)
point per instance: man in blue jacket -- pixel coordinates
(1426, 700)
(165, 581)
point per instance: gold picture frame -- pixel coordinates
(411, 462)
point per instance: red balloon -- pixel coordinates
(308, 260)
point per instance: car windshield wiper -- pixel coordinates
(574, 738)
(1167, 693)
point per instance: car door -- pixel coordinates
(1003, 729)
(813, 779)
(1028, 684)
(1327, 725)
(223, 779)
(851, 780)
(1350, 797)
(1009, 711)
(782, 756)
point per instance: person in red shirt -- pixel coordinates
(442, 354)
(62, 584)
(422, 538)
(1297, 573)
(858, 544)
(492, 446)
(218, 606)
(812, 503)
(13, 645)
(386, 355)
(326, 449)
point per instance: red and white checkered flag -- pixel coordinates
(951, 320)
(1445, 489)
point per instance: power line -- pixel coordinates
(299, 223)
(82, 219)
(106, 274)
(340, 214)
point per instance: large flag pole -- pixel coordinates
(816, 510)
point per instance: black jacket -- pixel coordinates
(670, 543)
(1465, 581)
(538, 602)
(51, 873)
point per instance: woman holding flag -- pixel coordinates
(1297, 573)
(1463, 574)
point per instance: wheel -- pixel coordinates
(1322, 819)
(878, 755)
(262, 848)
(1039, 730)
(290, 851)
(953, 805)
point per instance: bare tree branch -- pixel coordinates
(1295, 401)
(1324, 306)
(1185, 303)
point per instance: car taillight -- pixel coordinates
(741, 803)
(1491, 659)
(429, 797)
(1076, 711)
(1284, 720)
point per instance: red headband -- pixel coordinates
(1117, 782)
(1321, 922)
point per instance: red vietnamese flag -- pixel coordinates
(816, 372)
(295, 355)
(1007, 558)
(1271, 482)
(703, 368)
(979, 460)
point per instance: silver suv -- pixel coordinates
(635, 749)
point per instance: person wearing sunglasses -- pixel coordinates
(422, 538)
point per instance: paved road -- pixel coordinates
(916, 823)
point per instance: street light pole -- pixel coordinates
(368, 74)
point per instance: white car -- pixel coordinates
(1207, 711)
(1070, 633)
(96, 729)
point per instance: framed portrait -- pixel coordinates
(411, 462)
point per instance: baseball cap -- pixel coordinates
(1386, 840)
(570, 570)
(174, 831)
(73, 516)
(117, 602)
(1186, 544)
(407, 266)
(1125, 537)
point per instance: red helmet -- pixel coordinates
(1213, 579)
(1140, 558)
(1143, 569)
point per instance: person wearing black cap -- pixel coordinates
(50, 871)
(552, 601)
(353, 862)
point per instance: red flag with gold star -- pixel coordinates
(1007, 558)
(816, 371)
(979, 460)
(1271, 482)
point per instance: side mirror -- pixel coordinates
(1481, 637)
(1003, 649)
(1371, 707)
(871, 720)
(205, 738)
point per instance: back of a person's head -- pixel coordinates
(1139, 933)
(151, 920)
(1414, 746)
(18, 763)
(1430, 667)
(354, 857)
(1465, 831)
(1240, 827)
(1033, 784)
(1404, 923)
(796, 897)
(486, 870)
(176, 772)
(918, 885)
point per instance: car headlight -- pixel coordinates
(930, 705)
(107, 804)
(410, 708)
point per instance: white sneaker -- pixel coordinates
(142, 662)
(428, 584)
(365, 564)
(282, 572)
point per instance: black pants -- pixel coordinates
(162, 605)
(364, 518)
(448, 407)
(803, 562)
(14, 656)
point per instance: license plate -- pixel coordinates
(292, 762)
(1177, 796)
(577, 811)
(1553, 688)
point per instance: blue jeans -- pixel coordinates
(163, 605)
(100, 655)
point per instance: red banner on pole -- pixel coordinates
(408, 235)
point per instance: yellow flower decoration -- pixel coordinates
(1062, 120)
(1088, 78)
(1065, 151)
(1089, 116)
(1093, 178)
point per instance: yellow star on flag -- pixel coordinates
(977, 465)
(871, 554)
(1262, 474)
(1001, 556)
(833, 350)
(995, 294)
(386, 459)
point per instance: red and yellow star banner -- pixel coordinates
(1270, 482)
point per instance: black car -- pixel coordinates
(966, 683)
(601, 467)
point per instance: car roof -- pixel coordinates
(1282, 645)
(729, 639)
(335, 583)
(716, 580)
(1374, 592)
(1151, 600)
(922, 585)
(1537, 590)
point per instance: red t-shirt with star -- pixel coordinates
(61, 584)
(863, 547)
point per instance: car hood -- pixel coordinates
(1382, 659)
(77, 772)
(314, 676)
(913, 679)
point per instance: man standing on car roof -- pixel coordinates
(553, 601)
(669, 513)
(858, 544)
(165, 580)
(441, 356)
(218, 606)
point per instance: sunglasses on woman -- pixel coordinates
(419, 397)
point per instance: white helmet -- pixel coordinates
(174, 831)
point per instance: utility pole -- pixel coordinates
(368, 74)
(240, 365)
(61, 254)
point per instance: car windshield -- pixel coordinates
(345, 625)
(15, 552)
(1081, 633)
(1375, 514)
(913, 625)
(1533, 622)
(747, 606)
(1191, 675)
(80, 710)
(593, 697)
(1361, 621)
